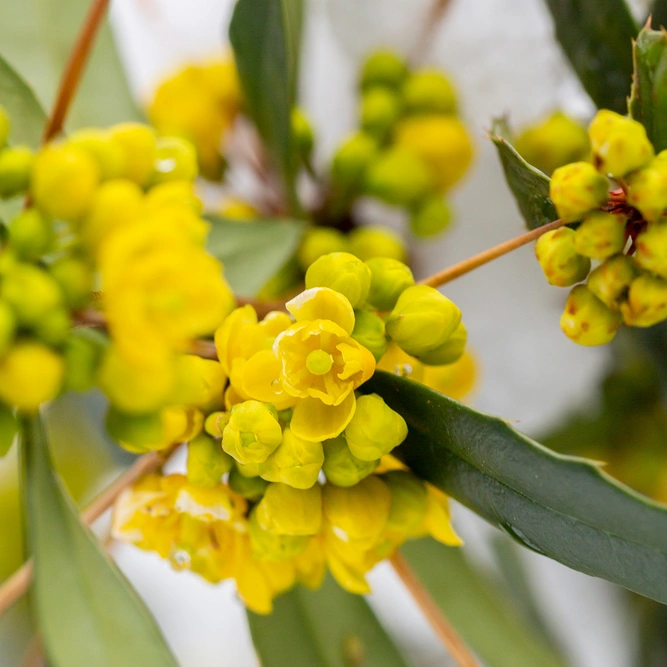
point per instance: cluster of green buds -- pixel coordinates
(622, 229)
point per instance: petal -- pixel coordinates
(226, 337)
(315, 422)
(322, 303)
(261, 380)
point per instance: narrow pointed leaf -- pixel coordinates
(563, 507)
(88, 613)
(596, 36)
(324, 628)
(528, 184)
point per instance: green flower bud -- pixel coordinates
(375, 429)
(253, 432)
(175, 160)
(369, 331)
(302, 134)
(433, 217)
(380, 109)
(450, 351)
(341, 467)
(140, 431)
(383, 68)
(389, 279)
(370, 242)
(651, 254)
(586, 320)
(31, 292)
(53, 327)
(215, 423)
(351, 162)
(5, 127)
(620, 144)
(576, 189)
(8, 429)
(15, 167)
(400, 177)
(31, 234)
(207, 463)
(600, 235)
(250, 488)
(647, 302)
(7, 326)
(611, 280)
(76, 279)
(647, 189)
(138, 144)
(318, 241)
(409, 501)
(561, 263)
(343, 273)
(285, 510)
(272, 547)
(422, 320)
(100, 146)
(296, 462)
(83, 353)
(429, 91)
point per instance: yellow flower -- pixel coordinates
(253, 432)
(287, 511)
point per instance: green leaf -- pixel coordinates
(562, 507)
(36, 37)
(529, 185)
(648, 102)
(659, 13)
(88, 613)
(596, 36)
(324, 628)
(253, 252)
(479, 611)
(266, 36)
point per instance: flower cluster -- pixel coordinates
(624, 229)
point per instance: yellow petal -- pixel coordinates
(315, 422)
(437, 520)
(261, 380)
(227, 336)
(322, 303)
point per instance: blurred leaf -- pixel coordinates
(596, 36)
(325, 628)
(36, 37)
(88, 613)
(659, 14)
(529, 185)
(478, 610)
(252, 252)
(648, 102)
(266, 38)
(562, 507)
(652, 633)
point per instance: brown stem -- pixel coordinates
(429, 29)
(474, 262)
(455, 646)
(17, 585)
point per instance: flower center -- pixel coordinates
(319, 362)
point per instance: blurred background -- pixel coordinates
(605, 403)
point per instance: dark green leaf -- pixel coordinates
(596, 36)
(266, 36)
(529, 185)
(659, 14)
(478, 610)
(252, 252)
(324, 628)
(562, 507)
(88, 613)
(36, 37)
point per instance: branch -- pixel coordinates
(455, 646)
(429, 29)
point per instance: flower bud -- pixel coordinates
(139, 431)
(647, 190)
(207, 463)
(319, 241)
(54, 326)
(343, 273)
(433, 217)
(296, 462)
(15, 168)
(200, 382)
(600, 235)
(389, 279)
(383, 68)
(5, 127)
(75, 278)
(7, 326)
(380, 109)
(8, 429)
(105, 152)
(272, 547)
(64, 181)
(138, 144)
(175, 160)
(302, 134)
(422, 320)
(370, 242)
(253, 432)
(285, 510)
(351, 161)
(647, 302)
(651, 254)
(83, 353)
(399, 177)
(620, 144)
(341, 467)
(369, 330)
(375, 429)
(558, 257)
(249, 487)
(31, 292)
(450, 351)
(215, 423)
(586, 320)
(611, 280)
(31, 234)
(409, 501)
(429, 91)
(180, 193)
(576, 189)
(30, 374)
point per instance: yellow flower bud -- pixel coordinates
(200, 382)
(271, 546)
(576, 189)
(285, 510)
(318, 241)
(375, 429)
(647, 189)
(30, 374)
(409, 501)
(389, 279)
(108, 156)
(175, 160)
(432, 218)
(343, 273)
(138, 144)
(174, 193)
(651, 253)
(8, 429)
(215, 423)
(561, 263)
(31, 292)
(374, 241)
(253, 432)
(302, 134)
(429, 91)
(296, 462)
(15, 167)
(383, 68)
(207, 463)
(647, 302)
(369, 331)
(380, 109)
(600, 235)
(450, 351)
(31, 234)
(351, 161)
(83, 353)
(611, 280)
(341, 467)
(140, 431)
(586, 320)
(64, 181)
(5, 127)
(422, 320)
(54, 326)
(75, 277)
